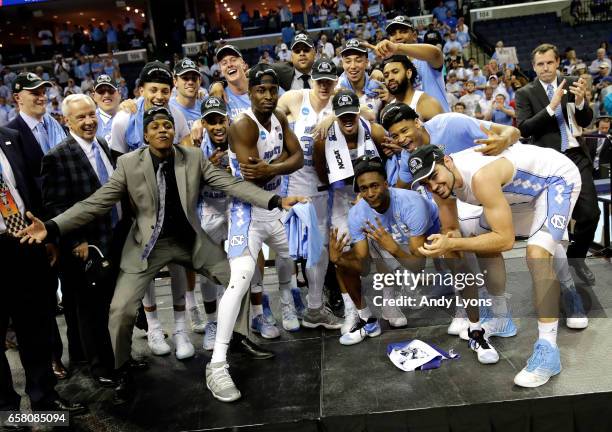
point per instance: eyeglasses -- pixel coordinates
(301, 50)
(103, 90)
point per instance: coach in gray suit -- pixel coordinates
(163, 184)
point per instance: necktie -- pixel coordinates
(305, 78)
(103, 176)
(560, 120)
(43, 137)
(161, 191)
(12, 217)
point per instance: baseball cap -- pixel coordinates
(353, 45)
(581, 66)
(324, 69)
(213, 104)
(104, 80)
(227, 50)
(399, 21)
(423, 161)
(302, 38)
(365, 164)
(345, 102)
(395, 112)
(284, 46)
(150, 114)
(156, 72)
(258, 72)
(604, 65)
(28, 81)
(184, 66)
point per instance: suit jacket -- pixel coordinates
(285, 72)
(135, 177)
(67, 178)
(534, 121)
(31, 148)
(11, 145)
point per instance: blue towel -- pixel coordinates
(303, 234)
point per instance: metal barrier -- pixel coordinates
(131, 56)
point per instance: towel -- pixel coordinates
(305, 240)
(134, 136)
(55, 131)
(418, 355)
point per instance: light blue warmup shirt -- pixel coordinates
(190, 114)
(453, 132)
(408, 215)
(431, 81)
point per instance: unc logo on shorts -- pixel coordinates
(305, 111)
(237, 240)
(415, 164)
(558, 221)
(262, 135)
(345, 100)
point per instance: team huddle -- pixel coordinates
(391, 184)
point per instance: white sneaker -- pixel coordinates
(361, 330)
(220, 383)
(457, 326)
(198, 325)
(394, 315)
(577, 323)
(351, 318)
(210, 335)
(184, 347)
(157, 342)
(482, 347)
(290, 319)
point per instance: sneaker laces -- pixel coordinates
(288, 312)
(221, 377)
(358, 325)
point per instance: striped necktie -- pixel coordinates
(161, 190)
(550, 91)
(103, 176)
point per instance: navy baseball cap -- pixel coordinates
(423, 161)
(213, 104)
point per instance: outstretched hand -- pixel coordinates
(382, 49)
(35, 232)
(493, 144)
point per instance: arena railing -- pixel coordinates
(123, 57)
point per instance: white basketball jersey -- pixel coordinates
(269, 148)
(535, 169)
(305, 180)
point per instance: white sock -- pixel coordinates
(364, 313)
(475, 326)
(548, 332)
(499, 307)
(256, 310)
(219, 352)
(179, 321)
(348, 302)
(152, 320)
(190, 300)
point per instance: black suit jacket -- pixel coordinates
(534, 121)
(11, 145)
(285, 72)
(31, 148)
(67, 178)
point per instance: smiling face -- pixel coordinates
(396, 77)
(160, 134)
(442, 180)
(107, 98)
(155, 94)
(302, 57)
(401, 34)
(264, 97)
(407, 133)
(82, 120)
(32, 102)
(188, 84)
(354, 66)
(373, 188)
(232, 68)
(348, 124)
(216, 126)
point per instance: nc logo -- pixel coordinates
(237, 240)
(558, 221)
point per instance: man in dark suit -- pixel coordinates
(601, 150)
(39, 133)
(163, 184)
(71, 171)
(25, 303)
(552, 113)
(297, 75)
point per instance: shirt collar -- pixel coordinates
(545, 85)
(81, 141)
(104, 116)
(30, 121)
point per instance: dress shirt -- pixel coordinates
(298, 82)
(574, 130)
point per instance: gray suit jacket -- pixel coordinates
(135, 177)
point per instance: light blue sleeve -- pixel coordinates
(404, 172)
(416, 213)
(459, 132)
(356, 220)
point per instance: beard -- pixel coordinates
(402, 86)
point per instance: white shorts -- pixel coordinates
(543, 221)
(259, 232)
(215, 225)
(341, 203)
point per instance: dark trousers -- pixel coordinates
(586, 211)
(26, 303)
(86, 312)
(56, 339)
